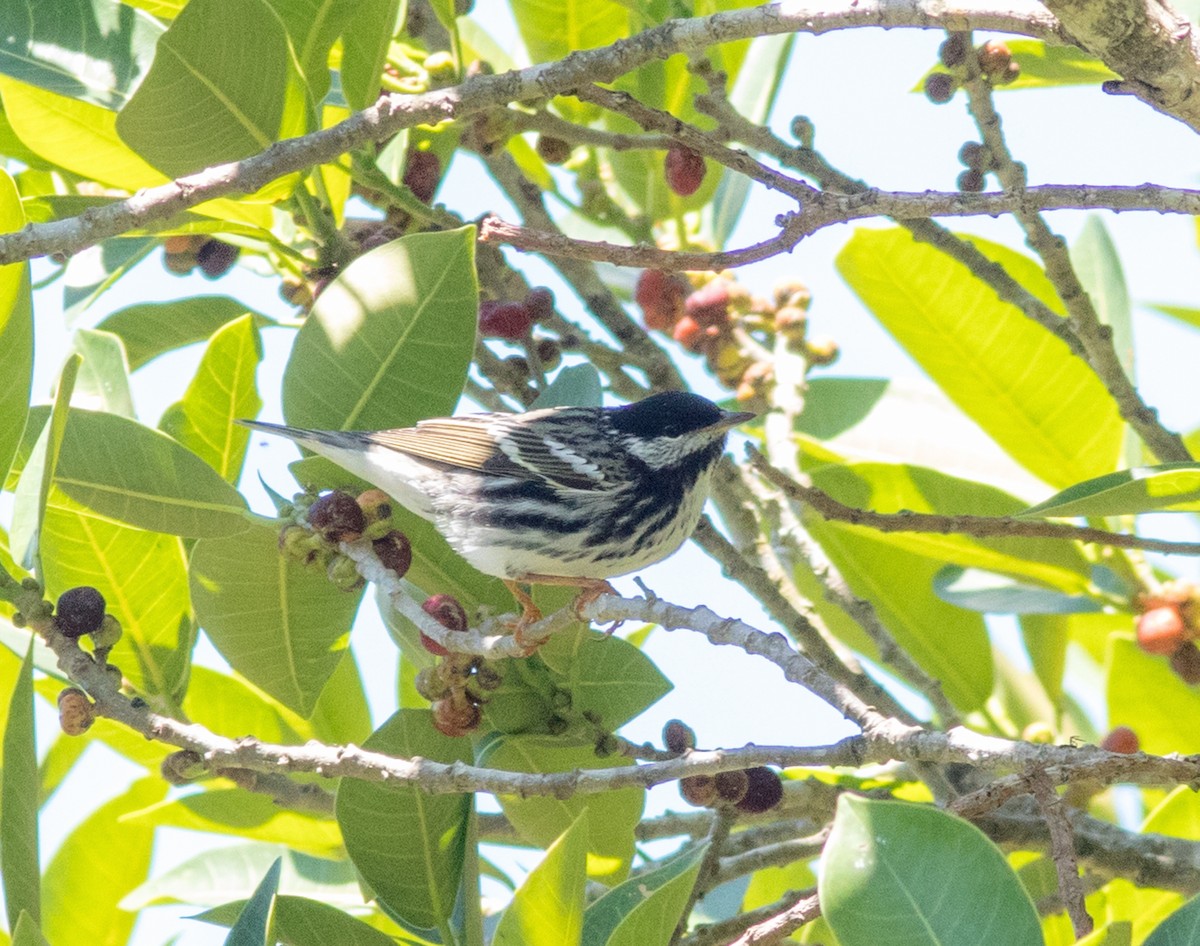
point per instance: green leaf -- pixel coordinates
(312, 27)
(408, 845)
(917, 866)
(93, 50)
(909, 422)
(573, 386)
(1044, 65)
(388, 342)
(649, 905)
(1046, 637)
(364, 50)
(75, 135)
(612, 816)
(552, 31)
(93, 271)
(1042, 404)
(19, 804)
(214, 877)
(1179, 929)
(1171, 487)
(989, 593)
(1185, 314)
(121, 470)
(143, 578)
(79, 910)
(342, 713)
(16, 332)
(890, 488)
(244, 815)
(225, 703)
(223, 390)
(104, 375)
(232, 111)
(606, 676)
(253, 926)
(1112, 934)
(547, 910)
(282, 627)
(299, 921)
(33, 489)
(151, 328)
(1144, 693)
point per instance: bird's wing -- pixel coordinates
(502, 445)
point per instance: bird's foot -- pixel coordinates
(530, 615)
(591, 591)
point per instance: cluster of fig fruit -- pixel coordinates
(457, 685)
(750, 791)
(79, 612)
(184, 253)
(514, 321)
(335, 517)
(714, 315)
(1169, 624)
(993, 60)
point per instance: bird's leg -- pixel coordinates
(590, 590)
(530, 613)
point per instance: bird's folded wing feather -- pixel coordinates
(487, 444)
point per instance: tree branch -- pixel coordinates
(823, 208)
(394, 113)
(977, 526)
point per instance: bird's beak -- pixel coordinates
(732, 419)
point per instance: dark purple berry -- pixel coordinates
(79, 611)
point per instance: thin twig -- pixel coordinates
(977, 526)
(1062, 851)
(822, 209)
(1096, 339)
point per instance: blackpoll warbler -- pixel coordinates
(566, 495)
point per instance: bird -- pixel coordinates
(558, 496)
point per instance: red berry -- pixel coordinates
(994, 59)
(446, 610)
(455, 719)
(1121, 739)
(684, 170)
(433, 646)
(394, 551)
(509, 320)
(337, 516)
(660, 296)
(1161, 630)
(689, 333)
(709, 305)
(422, 174)
(1186, 663)
(764, 792)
